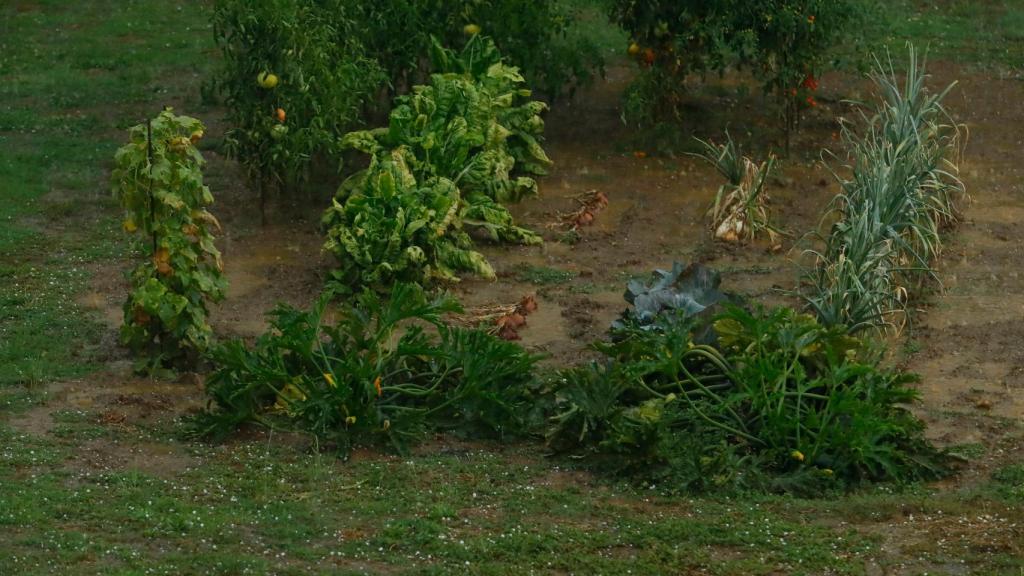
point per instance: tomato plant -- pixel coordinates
(295, 77)
(787, 44)
(158, 179)
(539, 36)
(795, 42)
(298, 74)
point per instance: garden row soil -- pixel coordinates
(965, 341)
(967, 333)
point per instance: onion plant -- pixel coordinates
(740, 211)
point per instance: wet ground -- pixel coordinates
(965, 337)
(965, 340)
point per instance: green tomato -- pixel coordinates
(267, 80)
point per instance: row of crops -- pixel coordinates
(694, 387)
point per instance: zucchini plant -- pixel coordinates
(158, 179)
(763, 399)
(376, 375)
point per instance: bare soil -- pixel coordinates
(965, 339)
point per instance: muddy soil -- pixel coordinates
(964, 340)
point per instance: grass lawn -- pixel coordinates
(74, 76)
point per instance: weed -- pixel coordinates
(1009, 482)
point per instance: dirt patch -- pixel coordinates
(943, 543)
(124, 408)
(971, 363)
(162, 460)
(142, 401)
(265, 267)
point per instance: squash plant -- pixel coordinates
(388, 370)
(762, 399)
(158, 179)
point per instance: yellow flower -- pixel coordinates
(330, 380)
(129, 226)
(471, 29)
(797, 455)
(350, 420)
(827, 471)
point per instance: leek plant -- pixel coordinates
(902, 192)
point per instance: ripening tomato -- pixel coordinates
(267, 80)
(179, 144)
(279, 113)
(141, 316)
(162, 259)
(633, 49)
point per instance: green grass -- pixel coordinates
(75, 75)
(592, 22)
(262, 507)
(986, 34)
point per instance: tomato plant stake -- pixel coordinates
(149, 192)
